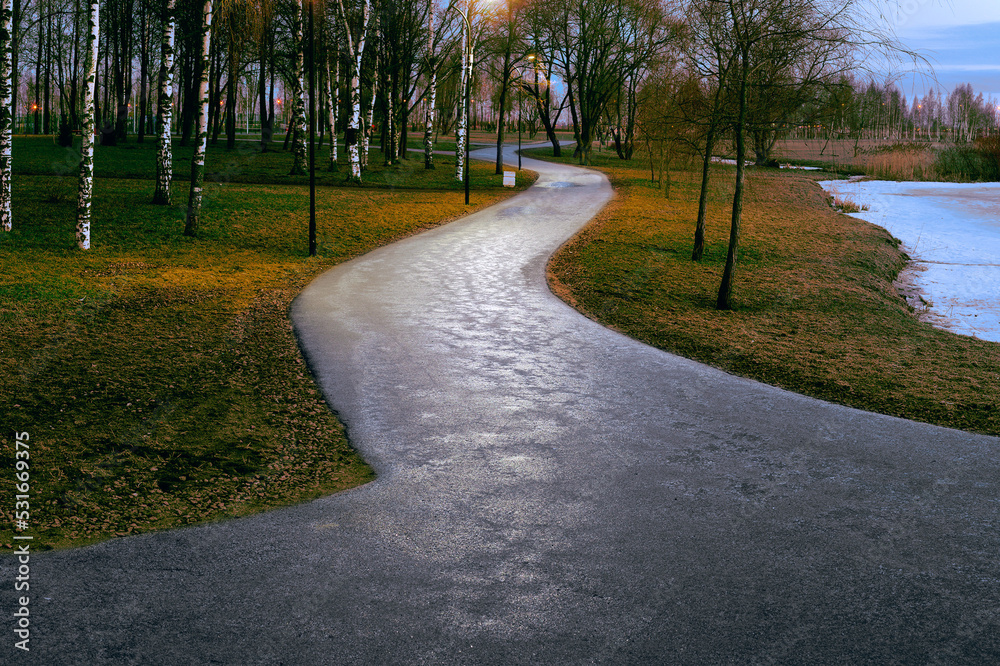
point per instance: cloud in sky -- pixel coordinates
(915, 14)
(961, 38)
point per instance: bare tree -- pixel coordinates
(600, 44)
(508, 55)
(806, 41)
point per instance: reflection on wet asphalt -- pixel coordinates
(551, 492)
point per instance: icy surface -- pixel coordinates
(952, 233)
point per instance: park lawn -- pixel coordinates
(816, 308)
(158, 376)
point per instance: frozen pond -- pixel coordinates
(952, 233)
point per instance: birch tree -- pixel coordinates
(86, 189)
(333, 103)
(6, 111)
(370, 114)
(164, 158)
(198, 161)
(299, 104)
(462, 129)
(431, 90)
(356, 49)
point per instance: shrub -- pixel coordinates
(988, 148)
(960, 163)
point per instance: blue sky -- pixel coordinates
(961, 38)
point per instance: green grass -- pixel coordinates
(816, 309)
(158, 375)
(42, 156)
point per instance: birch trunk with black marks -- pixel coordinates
(299, 161)
(357, 50)
(462, 130)
(333, 105)
(164, 157)
(6, 111)
(366, 133)
(201, 145)
(86, 190)
(431, 91)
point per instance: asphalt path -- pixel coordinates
(551, 492)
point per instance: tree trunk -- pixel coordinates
(369, 121)
(504, 85)
(265, 121)
(298, 103)
(16, 12)
(164, 159)
(37, 106)
(462, 125)
(215, 91)
(47, 104)
(431, 100)
(333, 104)
(231, 82)
(198, 161)
(578, 151)
(706, 168)
(143, 74)
(86, 188)
(724, 300)
(357, 50)
(6, 111)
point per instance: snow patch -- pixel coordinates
(951, 231)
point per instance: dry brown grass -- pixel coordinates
(158, 376)
(884, 160)
(816, 311)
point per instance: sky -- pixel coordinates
(960, 38)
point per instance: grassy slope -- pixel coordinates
(816, 313)
(157, 375)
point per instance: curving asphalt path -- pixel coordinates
(551, 492)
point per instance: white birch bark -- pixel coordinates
(333, 104)
(201, 146)
(6, 112)
(164, 158)
(369, 119)
(86, 189)
(299, 105)
(431, 92)
(357, 50)
(461, 132)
